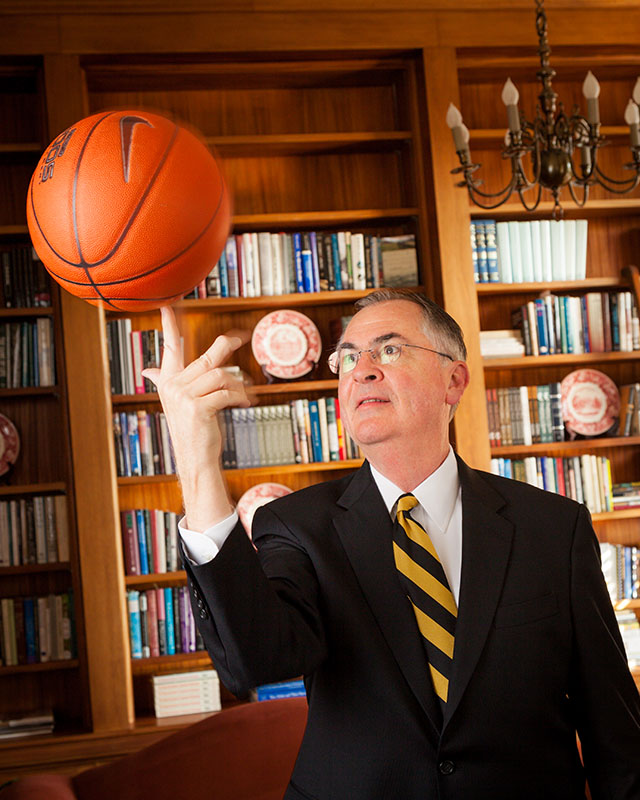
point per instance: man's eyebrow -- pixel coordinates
(378, 340)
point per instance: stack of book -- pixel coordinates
(501, 344)
(34, 530)
(33, 723)
(143, 445)
(150, 540)
(274, 691)
(529, 251)
(523, 415)
(186, 693)
(27, 354)
(161, 622)
(620, 565)
(596, 322)
(25, 283)
(629, 410)
(301, 431)
(626, 495)
(585, 478)
(129, 353)
(262, 263)
(37, 629)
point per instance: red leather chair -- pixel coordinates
(242, 753)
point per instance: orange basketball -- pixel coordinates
(128, 210)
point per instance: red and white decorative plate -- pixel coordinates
(590, 402)
(9, 444)
(286, 344)
(256, 496)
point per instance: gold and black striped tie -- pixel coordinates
(428, 589)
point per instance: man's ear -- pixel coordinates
(458, 382)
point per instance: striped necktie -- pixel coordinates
(426, 584)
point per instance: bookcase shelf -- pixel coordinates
(13, 230)
(596, 208)
(586, 285)
(14, 148)
(46, 666)
(32, 488)
(165, 578)
(27, 569)
(568, 359)
(577, 445)
(253, 472)
(298, 144)
(612, 516)
(148, 666)
(321, 219)
(8, 313)
(30, 391)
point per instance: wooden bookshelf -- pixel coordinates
(321, 126)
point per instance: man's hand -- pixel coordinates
(191, 398)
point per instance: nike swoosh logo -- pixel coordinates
(127, 124)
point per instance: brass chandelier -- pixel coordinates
(552, 140)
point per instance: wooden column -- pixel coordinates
(95, 486)
(452, 220)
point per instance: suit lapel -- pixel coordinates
(486, 545)
(365, 530)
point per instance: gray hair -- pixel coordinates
(439, 326)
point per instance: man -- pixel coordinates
(468, 683)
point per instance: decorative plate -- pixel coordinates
(286, 344)
(9, 444)
(256, 496)
(590, 402)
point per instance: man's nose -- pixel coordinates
(367, 368)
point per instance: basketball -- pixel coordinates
(128, 210)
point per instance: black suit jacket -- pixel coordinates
(538, 653)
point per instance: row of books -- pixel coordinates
(142, 443)
(529, 251)
(34, 530)
(630, 631)
(25, 283)
(629, 422)
(179, 693)
(31, 723)
(265, 263)
(275, 691)
(626, 495)
(585, 478)
(161, 622)
(27, 354)
(150, 541)
(37, 629)
(129, 353)
(301, 431)
(523, 415)
(621, 565)
(596, 322)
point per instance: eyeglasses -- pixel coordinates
(343, 361)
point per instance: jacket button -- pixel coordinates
(446, 767)
(203, 613)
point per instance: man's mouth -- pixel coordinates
(371, 400)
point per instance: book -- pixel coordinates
(399, 260)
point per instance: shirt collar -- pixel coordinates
(437, 494)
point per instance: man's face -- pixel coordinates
(405, 404)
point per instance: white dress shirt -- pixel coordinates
(439, 512)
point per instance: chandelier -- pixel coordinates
(552, 141)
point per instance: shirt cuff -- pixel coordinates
(202, 547)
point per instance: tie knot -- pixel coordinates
(406, 502)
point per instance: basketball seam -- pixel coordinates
(158, 266)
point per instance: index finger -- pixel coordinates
(172, 358)
(218, 352)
